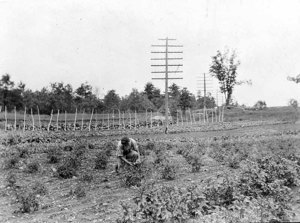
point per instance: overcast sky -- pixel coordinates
(108, 43)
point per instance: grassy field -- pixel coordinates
(241, 174)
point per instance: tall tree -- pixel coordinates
(111, 100)
(186, 99)
(6, 85)
(224, 68)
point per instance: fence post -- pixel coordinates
(129, 120)
(15, 125)
(113, 119)
(32, 119)
(177, 117)
(75, 119)
(5, 115)
(39, 117)
(108, 121)
(135, 119)
(119, 119)
(51, 115)
(82, 120)
(123, 120)
(151, 119)
(96, 118)
(24, 126)
(57, 119)
(223, 113)
(65, 120)
(91, 120)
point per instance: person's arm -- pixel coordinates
(136, 148)
(125, 160)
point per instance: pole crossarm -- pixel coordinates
(163, 72)
(179, 58)
(168, 45)
(166, 39)
(174, 78)
(166, 52)
(170, 65)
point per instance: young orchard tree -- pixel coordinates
(224, 68)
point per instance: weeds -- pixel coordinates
(33, 167)
(69, 167)
(101, 161)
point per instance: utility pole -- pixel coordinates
(166, 71)
(205, 85)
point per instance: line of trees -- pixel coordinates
(60, 96)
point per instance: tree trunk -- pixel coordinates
(228, 99)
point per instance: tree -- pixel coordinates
(224, 68)
(137, 101)
(6, 85)
(295, 79)
(260, 105)
(209, 101)
(153, 94)
(111, 100)
(186, 99)
(61, 96)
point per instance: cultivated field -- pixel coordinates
(242, 171)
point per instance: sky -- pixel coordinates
(107, 43)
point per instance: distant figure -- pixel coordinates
(127, 153)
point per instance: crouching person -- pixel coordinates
(127, 153)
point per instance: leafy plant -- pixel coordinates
(101, 161)
(32, 167)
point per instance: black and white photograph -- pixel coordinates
(149, 111)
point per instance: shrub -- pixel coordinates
(53, 155)
(68, 148)
(27, 201)
(39, 188)
(69, 167)
(196, 164)
(79, 191)
(87, 178)
(23, 153)
(79, 150)
(33, 167)
(101, 161)
(168, 172)
(165, 204)
(11, 180)
(11, 163)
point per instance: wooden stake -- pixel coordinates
(151, 119)
(32, 119)
(5, 114)
(51, 116)
(96, 117)
(123, 120)
(38, 110)
(135, 119)
(65, 120)
(57, 119)
(75, 119)
(24, 120)
(82, 120)
(119, 119)
(108, 121)
(15, 125)
(129, 120)
(91, 120)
